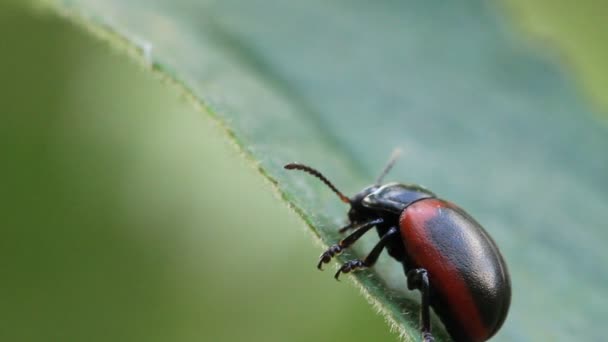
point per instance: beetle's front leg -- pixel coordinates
(347, 241)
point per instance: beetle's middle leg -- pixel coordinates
(418, 279)
(372, 257)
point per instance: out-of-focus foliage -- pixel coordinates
(575, 32)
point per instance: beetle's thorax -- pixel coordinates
(395, 197)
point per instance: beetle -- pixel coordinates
(445, 253)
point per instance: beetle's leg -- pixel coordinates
(347, 241)
(372, 257)
(346, 228)
(418, 279)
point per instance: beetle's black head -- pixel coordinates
(358, 212)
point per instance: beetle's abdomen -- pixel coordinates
(470, 286)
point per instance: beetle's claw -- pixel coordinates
(328, 254)
(337, 275)
(349, 266)
(321, 262)
(324, 259)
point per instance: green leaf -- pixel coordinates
(484, 120)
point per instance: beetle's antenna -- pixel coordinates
(305, 168)
(391, 162)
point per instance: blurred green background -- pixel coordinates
(127, 215)
(120, 205)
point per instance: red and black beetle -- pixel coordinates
(445, 253)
